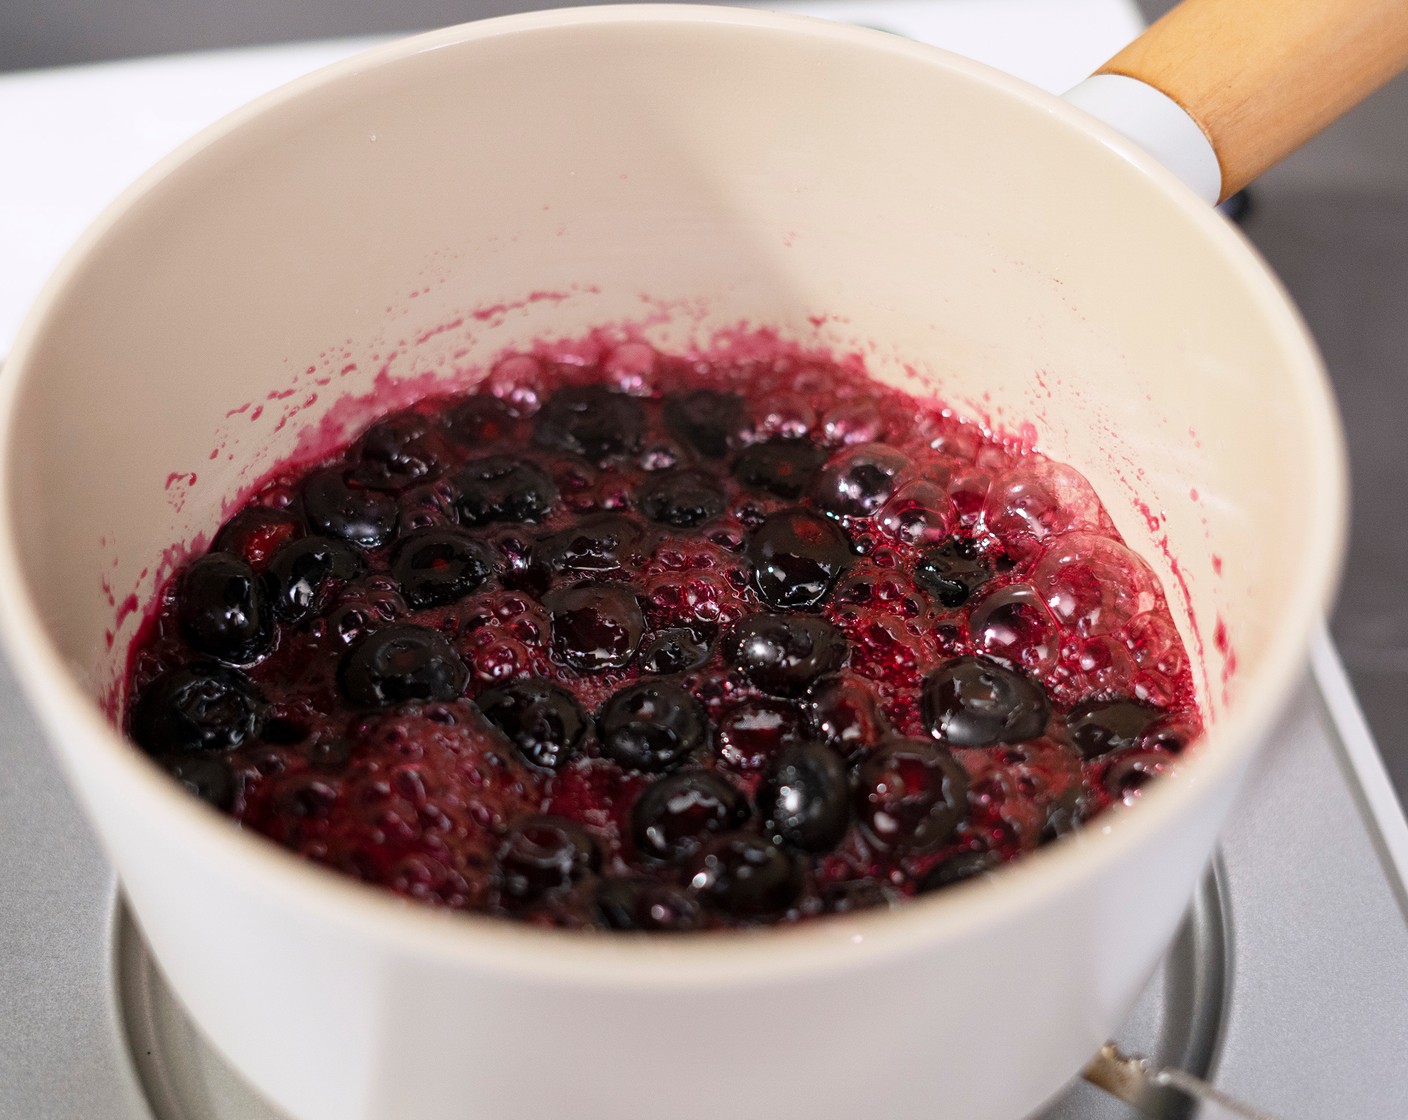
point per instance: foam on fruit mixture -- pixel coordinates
(714, 644)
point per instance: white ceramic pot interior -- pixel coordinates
(398, 224)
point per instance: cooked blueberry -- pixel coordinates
(437, 566)
(209, 777)
(675, 650)
(753, 731)
(783, 654)
(644, 904)
(256, 533)
(543, 721)
(224, 609)
(746, 876)
(805, 799)
(951, 572)
(402, 662)
(544, 855)
(503, 488)
(591, 421)
(676, 814)
(1130, 771)
(910, 795)
(396, 452)
(304, 570)
(796, 557)
(973, 702)
(595, 626)
(682, 498)
(843, 714)
(600, 543)
(957, 868)
(857, 481)
(709, 420)
(481, 419)
(850, 895)
(1100, 727)
(784, 467)
(202, 707)
(653, 725)
(335, 508)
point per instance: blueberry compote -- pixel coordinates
(711, 644)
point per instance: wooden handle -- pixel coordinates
(1261, 77)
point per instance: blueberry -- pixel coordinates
(542, 720)
(209, 777)
(675, 650)
(396, 452)
(1130, 771)
(646, 905)
(951, 572)
(256, 533)
(335, 508)
(402, 662)
(201, 707)
(682, 498)
(304, 570)
(595, 626)
(481, 419)
(224, 609)
(591, 421)
(745, 876)
(542, 856)
(709, 420)
(675, 815)
(784, 467)
(910, 795)
(797, 556)
(755, 730)
(436, 566)
(1100, 727)
(857, 481)
(783, 654)
(652, 725)
(503, 488)
(805, 799)
(597, 544)
(973, 702)
(843, 714)
(958, 868)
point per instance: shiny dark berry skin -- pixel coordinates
(256, 533)
(541, 719)
(910, 796)
(652, 726)
(437, 566)
(598, 544)
(797, 556)
(1129, 771)
(782, 467)
(224, 609)
(209, 777)
(842, 713)
(673, 650)
(680, 498)
(647, 906)
(402, 662)
(503, 488)
(1101, 727)
(783, 654)
(805, 798)
(335, 508)
(202, 707)
(856, 482)
(595, 627)
(542, 856)
(745, 876)
(305, 570)
(951, 572)
(396, 453)
(676, 814)
(973, 702)
(591, 421)
(480, 420)
(708, 420)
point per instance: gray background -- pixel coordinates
(1332, 220)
